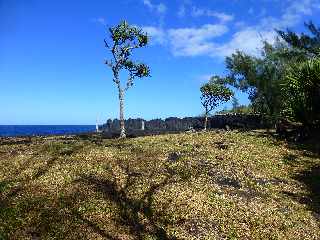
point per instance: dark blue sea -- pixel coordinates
(43, 130)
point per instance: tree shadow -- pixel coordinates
(290, 159)
(27, 210)
(42, 217)
(311, 179)
(135, 213)
(19, 182)
(310, 175)
(296, 139)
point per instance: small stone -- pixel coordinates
(173, 157)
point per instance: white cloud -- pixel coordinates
(292, 15)
(157, 35)
(199, 12)
(160, 8)
(201, 41)
(195, 41)
(99, 20)
(188, 7)
(148, 3)
(182, 11)
(248, 40)
(187, 41)
(204, 78)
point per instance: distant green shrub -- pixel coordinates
(61, 148)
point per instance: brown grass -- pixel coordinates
(215, 185)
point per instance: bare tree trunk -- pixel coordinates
(122, 126)
(206, 122)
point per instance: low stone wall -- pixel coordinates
(140, 127)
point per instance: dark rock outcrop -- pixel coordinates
(140, 127)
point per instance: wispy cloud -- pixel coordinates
(200, 12)
(157, 34)
(160, 8)
(182, 11)
(189, 8)
(202, 41)
(188, 41)
(250, 38)
(185, 4)
(203, 78)
(99, 20)
(195, 41)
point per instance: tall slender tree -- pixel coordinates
(124, 39)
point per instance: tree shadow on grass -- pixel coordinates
(310, 147)
(306, 157)
(42, 217)
(135, 213)
(295, 140)
(45, 216)
(311, 179)
(14, 186)
(309, 176)
(61, 219)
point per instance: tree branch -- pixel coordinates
(106, 43)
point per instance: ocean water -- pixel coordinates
(43, 130)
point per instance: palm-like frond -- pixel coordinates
(302, 90)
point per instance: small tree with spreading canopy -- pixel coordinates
(124, 39)
(214, 93)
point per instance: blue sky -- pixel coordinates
(52, 53)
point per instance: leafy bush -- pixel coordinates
(301, 92)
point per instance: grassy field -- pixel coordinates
(214, 185)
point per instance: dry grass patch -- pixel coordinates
(214, 185)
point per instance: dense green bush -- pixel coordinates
(301, 92)
(283, 81)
